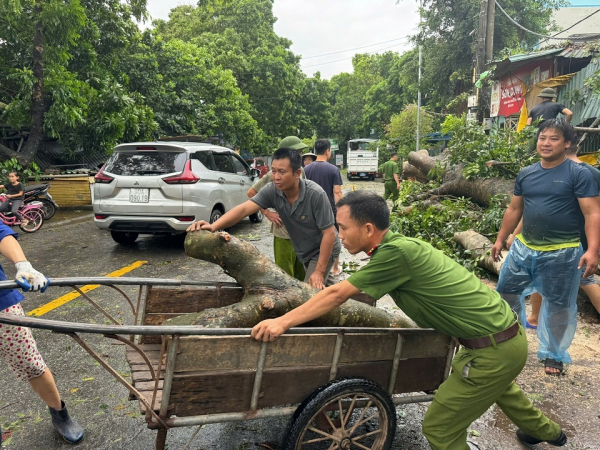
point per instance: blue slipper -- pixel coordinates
(528, 325)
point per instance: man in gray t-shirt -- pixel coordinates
(303, 208)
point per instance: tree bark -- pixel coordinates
(36, 135)
(7, 153)
(410, 171)
(453, 182)
(481, 245)
(268, 291)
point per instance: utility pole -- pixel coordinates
(419, 86)
(489, 31)
(484, 50)
(480, 49)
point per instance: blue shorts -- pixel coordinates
(587, 280)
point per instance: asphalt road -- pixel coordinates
(99, 402)
(93, 397)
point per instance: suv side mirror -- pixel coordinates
(254, 173)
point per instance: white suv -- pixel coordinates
(162, 187)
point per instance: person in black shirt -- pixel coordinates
(548, 109)
(329, 178)
(14, 196)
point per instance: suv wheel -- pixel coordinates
(124, 238)
(215, 215)
(257, 217)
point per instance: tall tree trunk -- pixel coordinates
(36, 136)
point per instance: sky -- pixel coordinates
(317, 27)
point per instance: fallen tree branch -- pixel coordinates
(454, 183)
(471, 240)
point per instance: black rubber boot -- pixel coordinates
(530, 440)
(70, 430)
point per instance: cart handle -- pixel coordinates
(124, 281)
(183, 330)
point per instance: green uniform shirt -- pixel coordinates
(389, 169)
(431, 289)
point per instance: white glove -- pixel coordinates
(30, 279)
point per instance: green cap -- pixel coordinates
(292, 142)
(547, 93)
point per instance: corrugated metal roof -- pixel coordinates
(533, 55)
(577, 52)
(513, 62)
(587, 105)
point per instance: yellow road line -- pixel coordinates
(90, 287)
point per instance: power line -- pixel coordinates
(576, 23)
(351, 57)
(356, 48)
(533, 32)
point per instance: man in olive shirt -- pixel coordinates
(391, 179)
(438, 293)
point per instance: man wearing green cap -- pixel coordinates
(548, 109)
(391, 179)
(285, 256)
(303, 207)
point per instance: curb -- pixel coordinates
(63, 223)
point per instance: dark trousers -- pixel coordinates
(5, 206)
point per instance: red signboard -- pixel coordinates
(511, 96)
(508, 93)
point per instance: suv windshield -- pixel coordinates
(145, 163)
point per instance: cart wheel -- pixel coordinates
(345, 414)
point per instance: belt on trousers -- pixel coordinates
(486, 341)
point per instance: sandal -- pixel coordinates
(553, 364)
(528, 325)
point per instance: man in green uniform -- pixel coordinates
(285, 256)
(391, 179)
(435, 292)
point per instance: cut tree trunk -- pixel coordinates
(453, 182)
(268, 291)
(481, 245)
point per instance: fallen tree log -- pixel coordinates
(454, 183)
(268, 291)
(409, 171)
(481, 245)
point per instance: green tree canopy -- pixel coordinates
(448, 36)
(402, 130)
(240, 37)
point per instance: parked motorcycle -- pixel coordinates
(39, 193)
(31, 211)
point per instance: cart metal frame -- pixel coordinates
(129, 335)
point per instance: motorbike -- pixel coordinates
(39, 193)
(31, 211)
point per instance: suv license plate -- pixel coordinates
(138, 195)
(363, 174)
